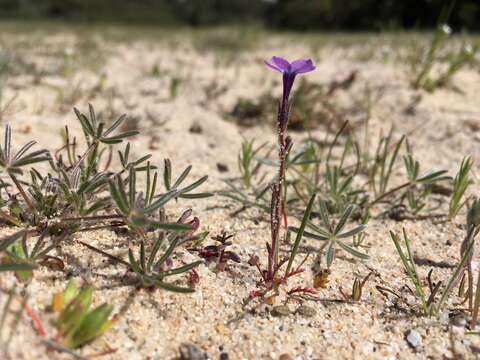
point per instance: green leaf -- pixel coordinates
(17, 267)
(308, 234)
(133, 263)
(181, 269)
(196, 196)
(173, 288)
(352, 232)
(330, 256)
(170, 226)
(194, 185)
(182, 176)
(343, 220)
(9, 240)
(352, 251)
(167, 174)
(92, 326)
(300, 232)
(162, 200)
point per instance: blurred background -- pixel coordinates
(368, 15)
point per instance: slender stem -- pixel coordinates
(90, 148)
(277, 203)
(37, 324)
(476, 304)
(9, 218)
(470, 286)
(91, 218)
(388, 193)
(100, 227)
(56, 346)
(23, 193)
(110, 256)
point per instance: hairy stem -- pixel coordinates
(277, 203)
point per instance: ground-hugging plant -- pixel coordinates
(20, 253)
(76, 322)
(82, 192)
(432, 303)
(333, 234)
(460, 184)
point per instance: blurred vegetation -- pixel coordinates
(371, 14)
(284, 14)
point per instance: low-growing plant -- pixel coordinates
(246, 162)
(81, 193)
(219, 252)
(430, 305)
(76, 321)
(22, 254)
(381, 170)
(357, 288)
(415, 190)
(332, 234)
(425, 60)
(460, 184)
(152, 271)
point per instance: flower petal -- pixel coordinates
(302, 66)
(281, 63)
(272, 66)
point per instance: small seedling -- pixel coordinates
(76, 322)
(460, 184)
(12, 165)
(416, 189)
(358, 286)
(246, 162)
(218, 253)
(381, 170)
(151, 271)
(357, 240)
(426, 60)
(429, 305)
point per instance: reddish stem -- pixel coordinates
(37, 324)
(277, 192)
(301, 290)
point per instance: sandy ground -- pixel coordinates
(152, 325)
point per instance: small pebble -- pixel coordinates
(285, 357)
(195, 128)
(444, 317)
(458, 320)
(414, 339)
(222, 167)
(280, 310)
(191, 352)
(306, 311)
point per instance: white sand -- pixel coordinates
(152, 325)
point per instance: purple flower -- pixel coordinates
(289, 71)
